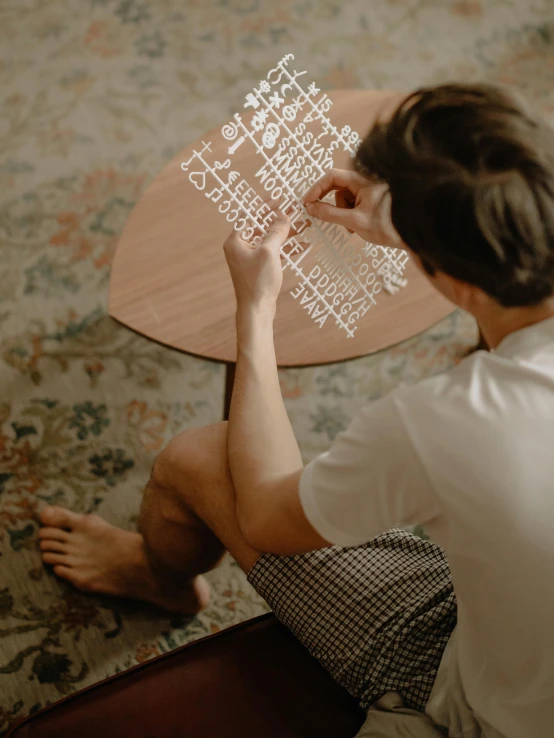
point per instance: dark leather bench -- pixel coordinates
(253, 680)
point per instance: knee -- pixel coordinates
(190, 458)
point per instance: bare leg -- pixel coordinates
(187, 520)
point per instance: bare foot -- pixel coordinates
(98, 557)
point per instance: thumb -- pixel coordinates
(234, 242)
(332, 214)
(277, 232)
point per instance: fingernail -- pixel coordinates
(309, 207)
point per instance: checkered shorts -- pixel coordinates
(377, 617)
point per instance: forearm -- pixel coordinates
(262, 449)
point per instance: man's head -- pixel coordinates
(470, 172)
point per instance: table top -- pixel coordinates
(170, 280)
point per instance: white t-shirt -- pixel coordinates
(469, 455)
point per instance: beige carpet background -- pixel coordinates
(96, 96)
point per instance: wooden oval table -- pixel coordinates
(170, 280)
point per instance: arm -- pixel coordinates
(264, 457)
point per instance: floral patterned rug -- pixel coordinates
(96, 96)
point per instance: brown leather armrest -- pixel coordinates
(249, 681)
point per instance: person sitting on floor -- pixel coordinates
(461, 176)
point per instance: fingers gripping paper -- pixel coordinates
(339, 278)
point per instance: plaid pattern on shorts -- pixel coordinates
(377, 617)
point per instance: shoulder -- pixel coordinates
(447, 387)
(437, 405)
(416, 414)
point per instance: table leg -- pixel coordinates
(230, 368)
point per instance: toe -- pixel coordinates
(55, 534)
(59, 517)
(65, 572)
(53, 557)
(51, 544)
(76, 577)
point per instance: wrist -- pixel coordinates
(259, 312)
(254, 327)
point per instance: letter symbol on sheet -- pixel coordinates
(289, 112)
(185, 164)
(259, 120)
(225, 165)
(251, 101)
(198, 179)
(313, 90)
(229, 131)
(232, 149)
(271, 133)
(276, 100)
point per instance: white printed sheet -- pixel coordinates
(338, 277)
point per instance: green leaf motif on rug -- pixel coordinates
(110, 464)
(89, 418)
(20, 538)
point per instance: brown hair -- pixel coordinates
(470, 172)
